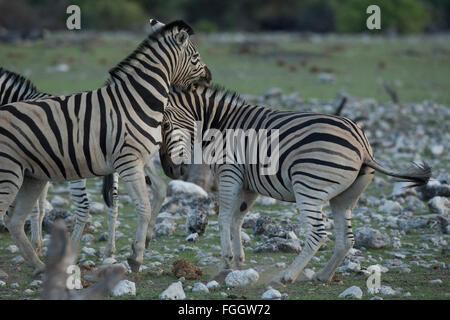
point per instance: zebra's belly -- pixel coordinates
(287, 196)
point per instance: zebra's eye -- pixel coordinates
(166, 126)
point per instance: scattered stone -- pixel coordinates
(325, 77)
(173, 292)
(165, 228)
(245, 238)
(212, 285)
(250, 220)
(193, 237)
(182, 187)
(183, 268)
(440, 205)
(12, 249)
(87, 238)
(436, 281)
(240, 278)
(271, 294)
(352, 292)
(265, 201)
(36, 283)
(2, 283)
(96, 208)
(371, 238)
(109, 261)
(18, 260)
(89, 251)
(390, 207)
(200, 287)
(3, 275)
(28, 291)
(196, 221)
(386, 291)
(435, 188)
(280, 245)
(59, 202)
(307, 274)
(124, 288)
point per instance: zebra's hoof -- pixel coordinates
(38, 271)
(134, 264)
(222, 275)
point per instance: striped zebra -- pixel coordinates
(320, 158)
(14, 88)
(112, 129)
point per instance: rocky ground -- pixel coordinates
(404, 233)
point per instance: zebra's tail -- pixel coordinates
(418, 173)
(107, 189)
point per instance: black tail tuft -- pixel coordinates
(418, 173)
(107, 189)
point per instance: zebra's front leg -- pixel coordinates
(312, 210)
(134, 179)
(159, 191)
(37, 217)
(112, 213)
(81, 201)
(245, 201)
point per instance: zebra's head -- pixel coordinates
(190, 71)
(178, 131)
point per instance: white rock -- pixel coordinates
(245, 238)
(307, 274)
(28, 291)
(12, 249)
(437, 150)
(58, 201)
(212, 284)
(390, 207)
(325, 77)
(352, 292)
(88, 251)
(240, 278)
(440, 205)
(124, 288)
(96, 208)
(266, 201)
(2, 283)
(18, 260)
(109, 261)
(200, 287)
(271, 294)
(173, 292)
(165, 227)
(36, 283)
(386, 290)
(192, 237)
(436, 281)
(183, 187)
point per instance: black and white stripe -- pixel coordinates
(321, 158)
(94, 133)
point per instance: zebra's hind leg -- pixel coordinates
(25, 200)
(159, 190)
(37, 218)
(112, 212)
(341, 207)
(137, 190)
(311, 208)
(81, 201)
(246, 200)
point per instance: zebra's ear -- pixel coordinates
(155, 25)
(182, 38)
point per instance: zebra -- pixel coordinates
(320, 158)
(15, 87)
(115, 128)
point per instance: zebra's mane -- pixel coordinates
(217, 90)
(18, 79)
(147, 42)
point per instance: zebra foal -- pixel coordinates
(320, 158)
(112, 129)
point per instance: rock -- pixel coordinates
(271, 294)
(173, 292)
(413, 203)
(272, 93)
(436, 281)
(440, 205)
(250, 220)
(352, 292)
(268, 227)
(68, 217)
(245, 238)
(262, 224)
(196, 221)
(241, 278)
(89, 251)
(386, 291)
(165, 228)
(96, 208)
(371, 238)
(325, 77)
(307, 274)
(124, 288)
(266, 201)
(200, 287)
(2, 283)
(390, 207)
(192, 237)
(36, 283)
(437, 150)
(401, 189)
(12, 249)
(182, 187)
(87, 238)
(18, 260)
(28, 292)
(183, 268)
(109, 261)
(280, 245)
(212, 285)
(59, 202)
(435, 188)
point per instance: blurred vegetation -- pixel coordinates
(347, 16)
